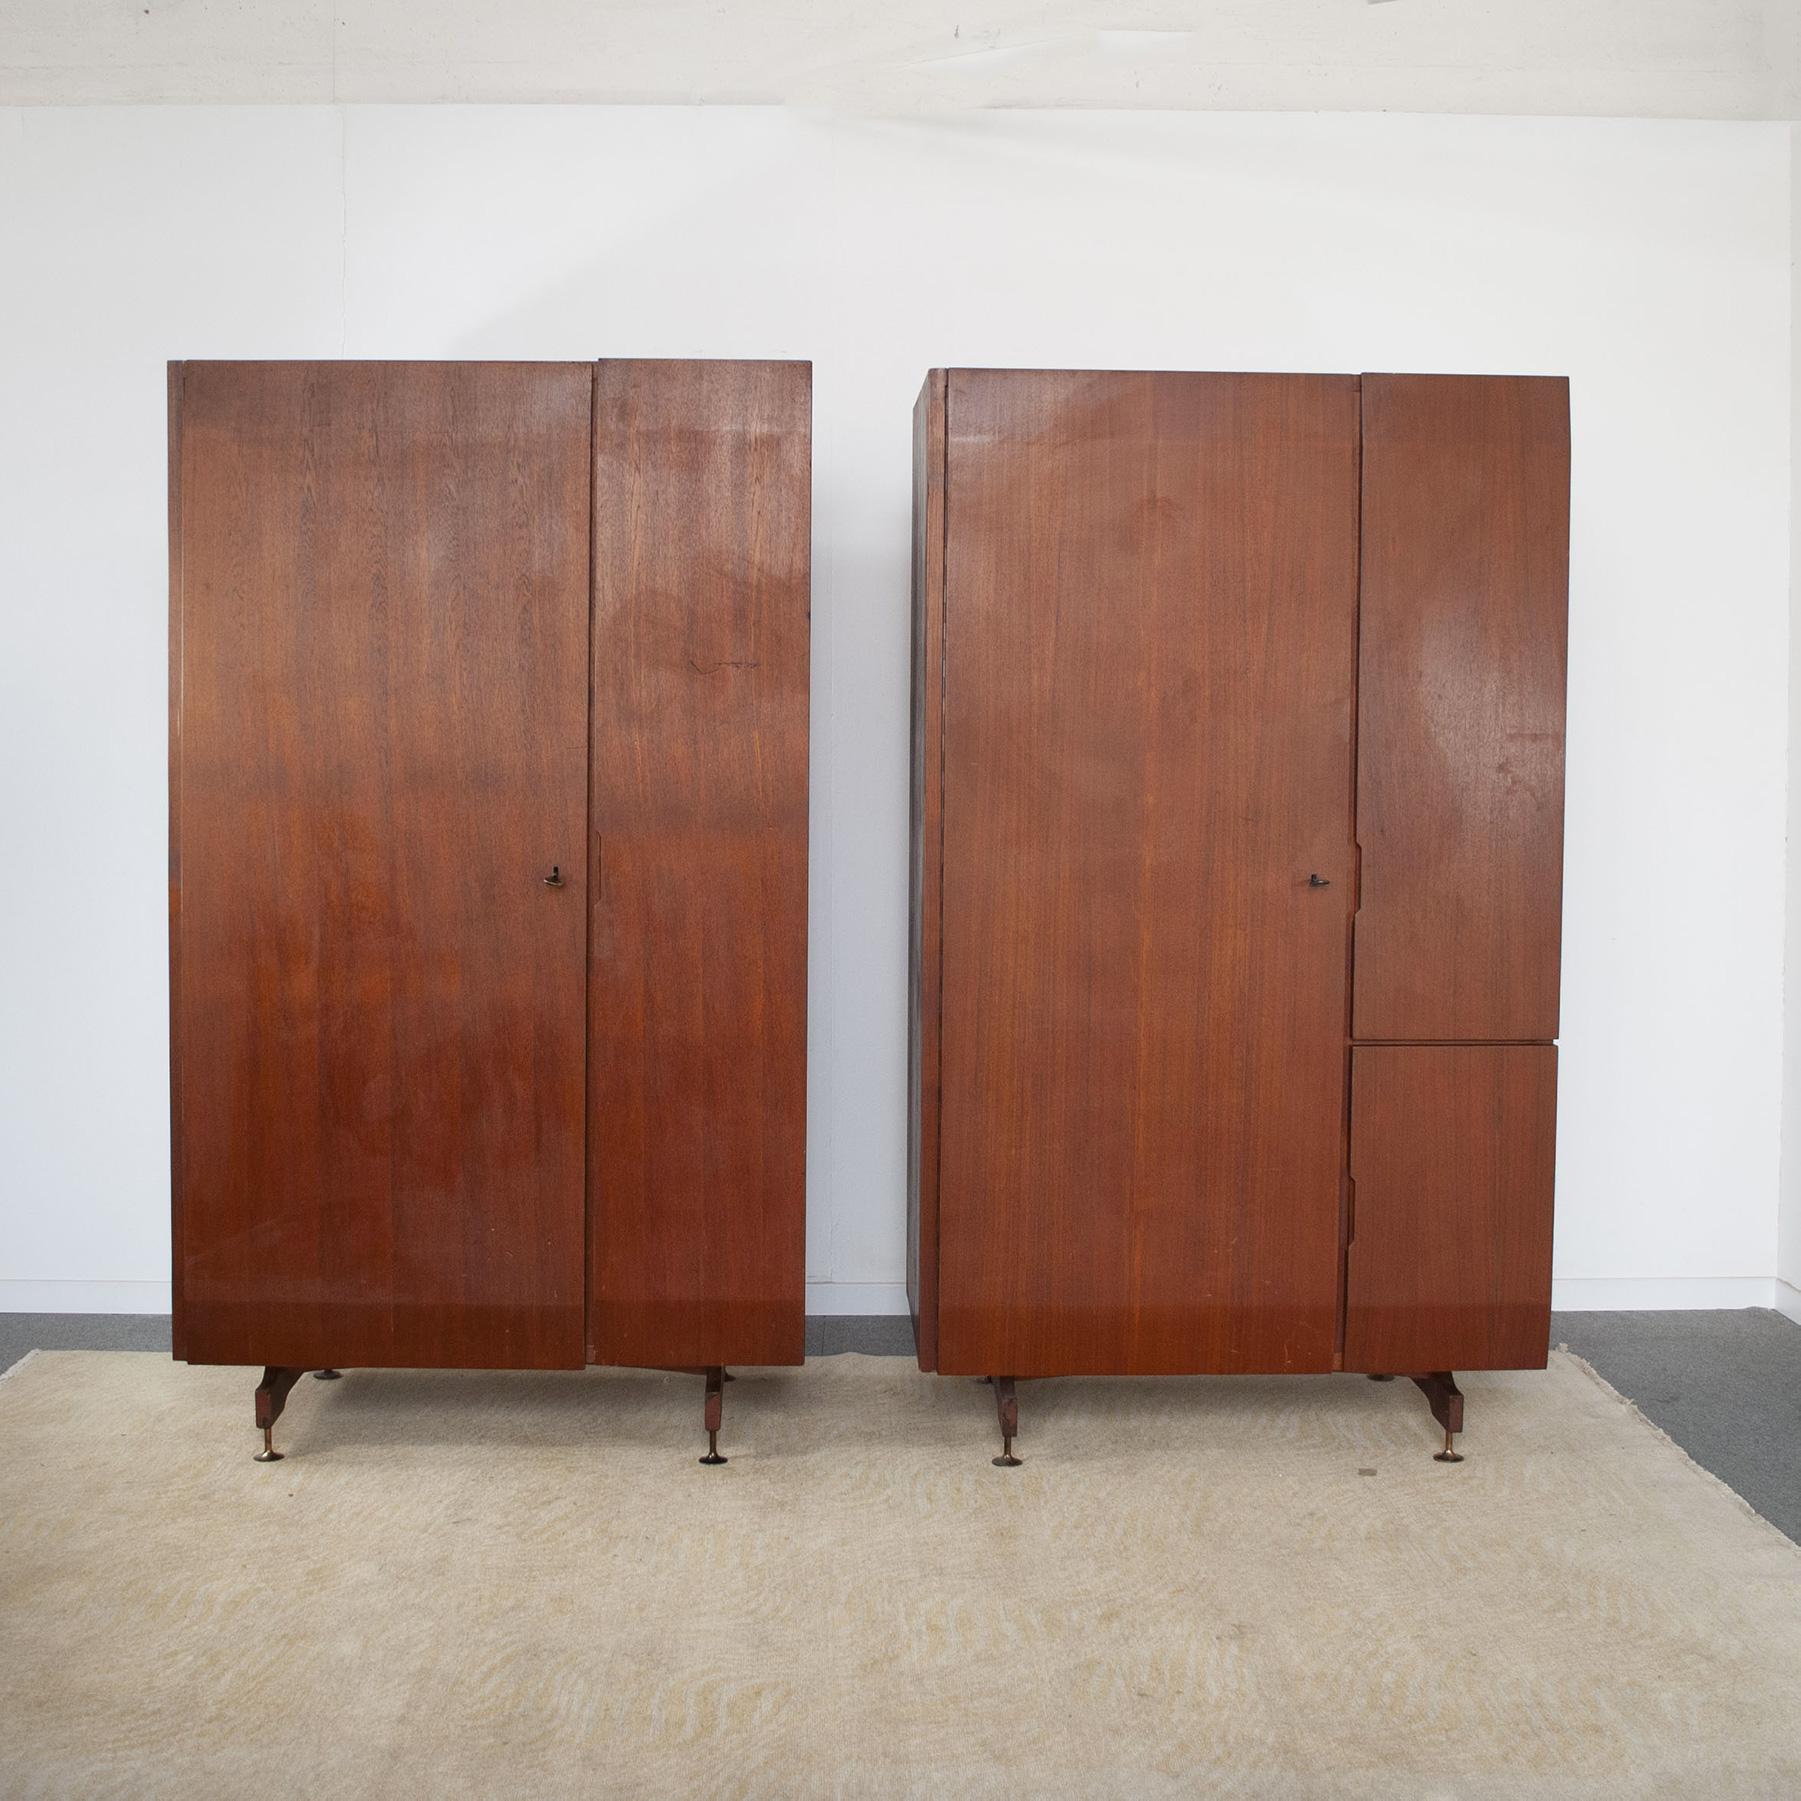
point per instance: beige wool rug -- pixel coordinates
(524, 1586)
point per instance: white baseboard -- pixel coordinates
(84, 1297)
(1640, 1294)
(1569, 1294)
(837, 1299)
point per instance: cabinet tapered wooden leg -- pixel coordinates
(1006, 1404)
(1446, 1401)
(715, 1413)
(271, 1397)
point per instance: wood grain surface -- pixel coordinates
(1453, 1150)
(1149, 635)
(380, 636)
(1461, 706)
(698, 933)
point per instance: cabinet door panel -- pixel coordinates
(380, 634)
(1149, 635)
(1460, 706)
(698, 947)
(1452, 1155)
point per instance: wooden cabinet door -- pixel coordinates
(1452, 1154)
(698, 941)
(379, 728)
(1460, 706)
(1148, 642)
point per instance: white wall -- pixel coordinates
(1678, 59)
(1648, 261)
(1788, 1258)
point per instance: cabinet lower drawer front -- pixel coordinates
(1452, 1155)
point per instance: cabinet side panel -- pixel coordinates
(924, 960)
(698, 848)
(1452, 1154)
(382, 630)
(1461, 706)
(177, 1314)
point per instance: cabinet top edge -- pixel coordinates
(1562, 381)
(487, 362)
(1262, 374)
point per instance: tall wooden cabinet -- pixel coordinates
(488, 839)
(1237, 823)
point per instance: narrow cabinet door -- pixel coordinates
(1460, 706)
(1148, 637)
(1452, 1155)
(698, 997)
(380, 636)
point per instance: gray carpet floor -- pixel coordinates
(1725, 1386)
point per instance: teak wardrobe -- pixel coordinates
(488, 865)
(1237, 850)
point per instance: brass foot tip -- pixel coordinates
(1447, 1455)
(1007, 1461)
(269, 1456)
(713, 1457)
(328, 1375)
